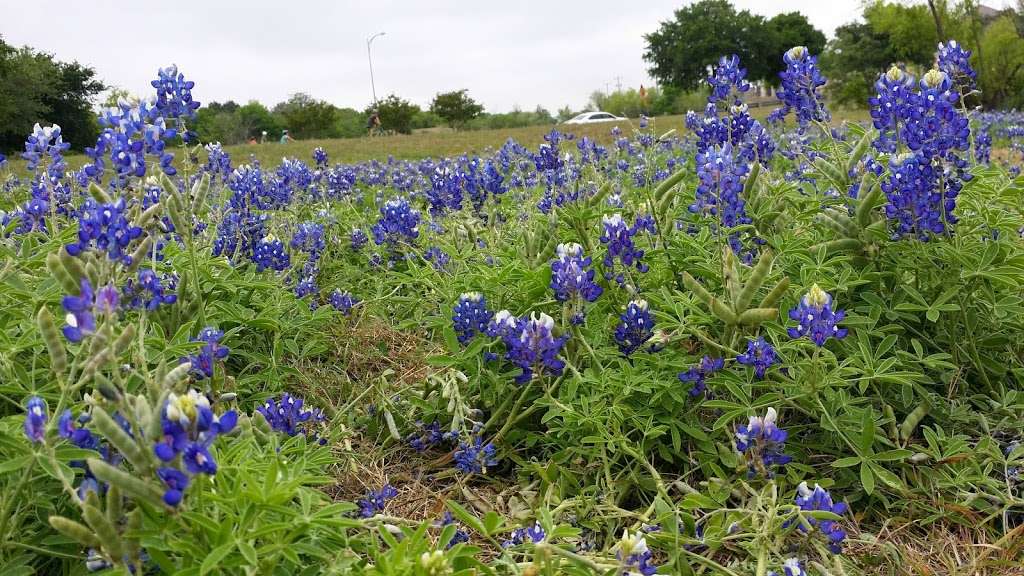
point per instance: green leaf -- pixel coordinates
(846, 462)
(214, 558)
(867, 479)
(891, 455)
(466, 517)
(15, 464)
(887, 477)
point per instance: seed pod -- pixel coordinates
(838, 245)
(602, 193)
(56, 268)
(104, 530)
(731, 275)
(755, 316)
(174, 212)
(155, 427)
(148, 215)
(667, 184)
(77, 532)
(200, 191)
(832, 173)
(124, 340)
(74, 267)
(912, 420)
(92, 272)
(776, 294)
(131, 530)
(866, 204)
(120, 439)
(757, 277)
(833, 221)
(129, 484)
(108, 389)
(390, 420)
(260, 422)
(99, 193)
(748, 186)
(141, 253)
(890, 416)
(717, 307)
(114, 505)
(52, 339)
(858, 151)
(175, 376)
(143, 412)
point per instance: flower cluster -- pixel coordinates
(635, 327)
(952, 59)
(762, 442)
(760, 355)
(618, 236)
(438, 258)
(800, 92)
(534, 534)
(572, 279)
(342, 301)
(320, 157)
(721, 178)
(188, 428)
(634, 554)
(309, 238)
(149, 291)
(474, 456)
(174, 94)
(376, 500)
(46, 141)
(270, 253)
(36, 416)
(819, 499)
(289, 416)
(427, 436)
(530, 343)
(357, 239)
(210, 352)
(918, 205)
(697, 374)
(790, 567)
(470, 316)
(106, 228)
(816, 319)
(80, 320)
(398, 223)
(728, 79)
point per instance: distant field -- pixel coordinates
(439, 142)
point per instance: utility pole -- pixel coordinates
(618, 83)
(369, 57)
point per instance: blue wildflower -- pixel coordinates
(634, 554)
(816, 319)
(460, 534)
(790, 567)
(36, 416)
(270, 253)
(357, 239)
(289, 416)
(474, 457)
(635, 327)
(800, 92)
(698, 374)
(534, 534)
(760, 355)
(106, 228)
(320, 157)
(148, 291)
(956, 63)
(530, 344)
(210, 352)
(342, 301)
(376, 500)
(618, 236)
(176, 482)
(762, 442)
(470, 316)
(819, 499)
(174, 94)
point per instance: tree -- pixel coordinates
(853, 61)
(909, 30)
(395, 114)
(1002, 78)
(35, 87)
(306, 117)
(683, 48)
(456, 107)
(255, 118)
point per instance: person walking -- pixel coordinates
(373, 124)
(286, 137)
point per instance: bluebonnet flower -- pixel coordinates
(218, 162)
(531, 345)
(698, 374)
(49, 142)
(309, 238)
(634, 554)
(376, 500)
(816, 319)
(148, 291)
(470, 316)
(801, 88)
(460, 535)
(426, 436)
(36, 416)
(635, 327)
(445, 192)
(534, 534)
(721, 179)
(270, 253)
(174, 94)
(320, 157)
(762, 442)
(188, 428)
(890, 106)
(342, 301)
(618, 237)
(790, 567)
(952, 59)
(727, 79)
(176, 482)
(357, 239)
(819, 499)
(398, 223)
(572, 279)
(760, 355)
(80, 320)
(106, 228)
(474, 457)
(210, 352)
(79, 436)
(918, 204)
(289, 416)
(438, 258)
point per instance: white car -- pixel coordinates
(593, 117)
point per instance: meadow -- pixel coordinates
(728, 343)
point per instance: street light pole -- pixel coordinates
(370, 59)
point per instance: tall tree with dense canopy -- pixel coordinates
(456, 107)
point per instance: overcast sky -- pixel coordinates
(549, 52)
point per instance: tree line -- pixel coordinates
(680, 51)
